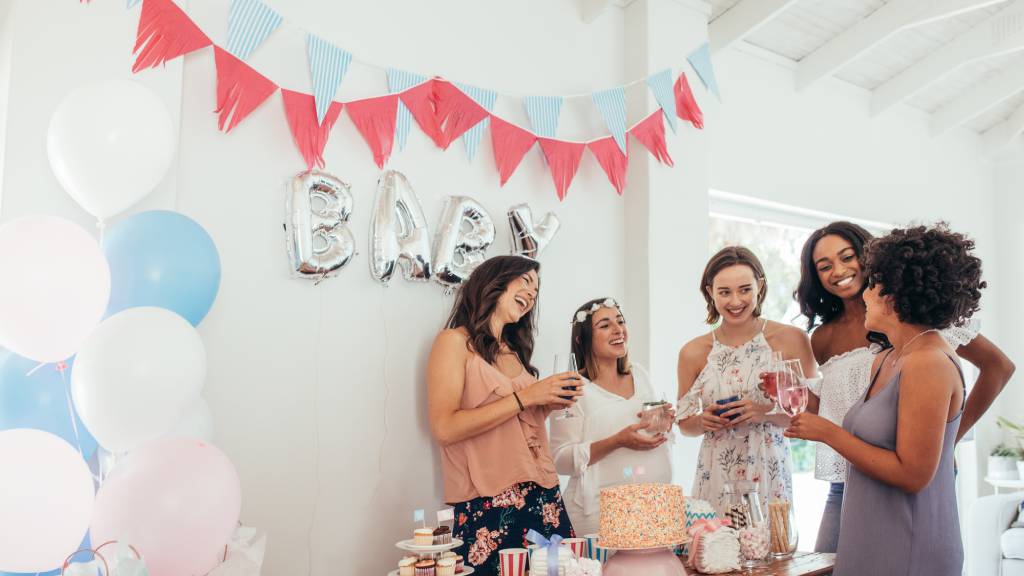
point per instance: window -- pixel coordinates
(776, 234)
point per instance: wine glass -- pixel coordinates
(793, 392)
(567, 411)
(771, 378)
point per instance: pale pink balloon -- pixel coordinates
(46, 499)
(55, 288)
(177, 500)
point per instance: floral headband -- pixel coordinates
(582, 315)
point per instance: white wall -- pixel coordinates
(317, 392)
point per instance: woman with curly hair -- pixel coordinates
(900, 515)
(832, 282)
(488, 411)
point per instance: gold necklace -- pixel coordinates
(918, 335)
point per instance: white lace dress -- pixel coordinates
(758, 453)
(845, 379)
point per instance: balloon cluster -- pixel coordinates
(126, 311)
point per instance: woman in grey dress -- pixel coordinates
(899, 514)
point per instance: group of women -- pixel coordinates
(886, 318)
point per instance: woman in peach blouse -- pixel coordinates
(487, 412)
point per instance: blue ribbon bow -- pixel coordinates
(552, 546)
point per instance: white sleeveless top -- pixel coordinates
(845, 379)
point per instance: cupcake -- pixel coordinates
(442, 535)
(459, 567)
(425, 568)
(446, 567)
(423, 537)
(406, 566)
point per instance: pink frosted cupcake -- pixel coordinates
(426, 568)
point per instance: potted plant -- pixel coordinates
(1018, 433)
(1002, 463)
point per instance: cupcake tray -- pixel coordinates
(408, 546)
(465, 572)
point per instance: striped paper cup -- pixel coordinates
(513, 561)
(577, 545)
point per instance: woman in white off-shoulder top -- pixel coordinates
(604, 437)
(830, 290)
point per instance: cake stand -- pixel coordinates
(466, 571)
(653, 561)
(430, 552)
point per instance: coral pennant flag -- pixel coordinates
(686, 105)
(240, 89)
(612, 160)
(456, 112)
(563, 161)
(420, 101)
(651, 133)
(510, 144)
(310, 136)
(164, 33)
(375, 120)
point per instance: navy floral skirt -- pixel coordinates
(486, 525)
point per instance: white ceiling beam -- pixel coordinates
(873, 30)
(743, 19)
(1002, 135)
(977, 99)
(591, 9)
(1002, 33)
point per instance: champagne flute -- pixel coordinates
(776, 371)
(567, 411)
(793, 392)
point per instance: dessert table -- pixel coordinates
(801, 564)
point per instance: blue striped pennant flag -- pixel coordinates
(328, 65)
(700, 59)
(249, 24)
(399, 80)
(661, 87)
(485, 98)
(543, 112)
(612, 105)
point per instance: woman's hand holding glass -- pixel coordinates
(632, 437)
(560, 390)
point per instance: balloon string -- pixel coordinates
(316, 429)
(62, 368)
(387, 394)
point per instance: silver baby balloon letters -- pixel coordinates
(398, 231)
(460, 244)
(319, 241)
(529, 238)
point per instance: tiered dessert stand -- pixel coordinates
(432, 552)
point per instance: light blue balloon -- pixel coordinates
(165, 259)
(38, 401)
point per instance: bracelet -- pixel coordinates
(518, 401)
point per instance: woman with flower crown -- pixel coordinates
(603, 443)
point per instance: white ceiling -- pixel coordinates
(960, 60)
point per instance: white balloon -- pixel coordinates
(46, 500)
(55, 287)
(110, 143)
(196, 422)
(135, 375)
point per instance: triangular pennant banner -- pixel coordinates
(612, 105)
(485, 98)
(328, 65)
(249, 24)
(686, 105)
(399, 80)
(510, 144)
(660, 85)
(240, 89)
(456, 112)
(375, 120)
(164, 33)
(544, 112)
(420, 102)
(700, 59)
(651, 133)
(309, 133)
(563, 161)
(612, 161)
(131, 3)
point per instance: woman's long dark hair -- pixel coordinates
(476, 300)
(817, 303)
(582, 338)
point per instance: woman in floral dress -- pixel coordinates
(742, 442)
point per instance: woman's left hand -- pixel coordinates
(809, 426)
(745, 410)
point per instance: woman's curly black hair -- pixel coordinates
(929, 272)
